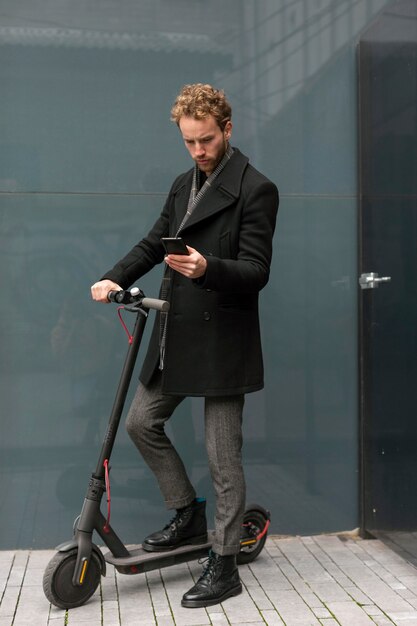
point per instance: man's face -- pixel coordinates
(205, 141)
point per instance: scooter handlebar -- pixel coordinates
(136, 296)
(157, 305)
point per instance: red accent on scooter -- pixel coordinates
(130, 337)
(106, 526)
(264, 531)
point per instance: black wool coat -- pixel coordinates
(213, 344)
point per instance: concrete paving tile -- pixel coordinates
(9, 601)
(76, 621)
(21, 558)
(260, 598)
(190, 617)
(260, 623)
(241, 609)
(135, 618)
(218, 619)
(301, 585)
(321, 612)
(56, 614)
(357, 573)
(311, 600)
(349, 613)
(111, 617)
(33, 578)
(31, 609)
(315, 549)
(330, 592)
(410, 582)
(383, 621)
(358, 595)
(406, 594)
(401, 569)
(55, 620)
(166, 620)
(28, 618)
(289, 572)
(248, 577)
(108, 605)
(177, 580)
(371, 609)
(134, 603)
(5, 567)
(160, 613)
(109, 586)
(384, 597)
(272, 550)
(272, 618)
(91, 610)
(396, 585)
(400, 616)
(405, 622)
(340, 578)
(269, 576)
(39, 559)
(291, 607)
(16, 576)
(412, 602)
(159, 597)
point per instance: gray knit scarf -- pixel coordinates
(193, 201)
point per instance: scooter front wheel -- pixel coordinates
(57, 580)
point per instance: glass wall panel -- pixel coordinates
(87, 156)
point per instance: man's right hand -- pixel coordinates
(100, 290)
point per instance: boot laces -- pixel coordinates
(208, 564)
(173, 523)
(176, 520)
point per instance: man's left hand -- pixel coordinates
(191, 265)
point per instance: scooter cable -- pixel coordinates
(107, 480)
(130, 337)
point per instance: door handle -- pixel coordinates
(371, 280)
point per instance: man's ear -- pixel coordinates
(228, 130)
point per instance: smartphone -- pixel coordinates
(174, 245)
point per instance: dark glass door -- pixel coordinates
(388, 250)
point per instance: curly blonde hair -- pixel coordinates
(200, 101)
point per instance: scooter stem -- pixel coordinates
(121, 394)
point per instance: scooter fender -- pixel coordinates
(70, 545)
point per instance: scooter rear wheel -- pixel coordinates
(254, 521)
(57, 580)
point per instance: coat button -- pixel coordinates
(206, 316)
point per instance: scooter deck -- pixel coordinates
(141, 561)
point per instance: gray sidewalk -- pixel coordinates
(297, 581)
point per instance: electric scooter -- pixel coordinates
(73, 574)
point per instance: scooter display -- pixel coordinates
(74, 572)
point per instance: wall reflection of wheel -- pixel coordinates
(254, 521)
(57, 580)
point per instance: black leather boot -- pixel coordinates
(189, 526)
(219, 581)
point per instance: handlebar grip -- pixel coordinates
(158, 305)
(130, 297)
(116, 296)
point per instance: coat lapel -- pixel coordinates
(224, 192)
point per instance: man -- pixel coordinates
(209, 343)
